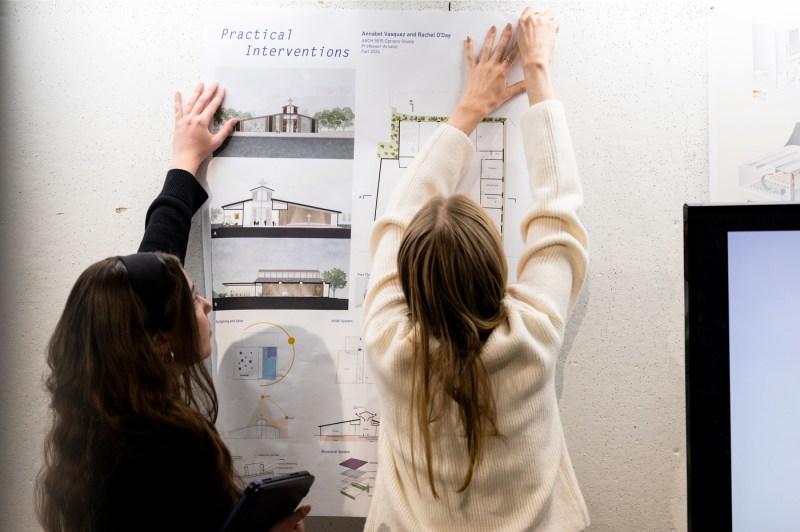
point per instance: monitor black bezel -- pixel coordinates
(708, 435)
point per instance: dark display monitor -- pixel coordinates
(742, 289)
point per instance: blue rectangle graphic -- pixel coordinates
(269, 366)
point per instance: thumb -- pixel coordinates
(517, 88)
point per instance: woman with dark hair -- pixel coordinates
(133, 444)
(471, 437)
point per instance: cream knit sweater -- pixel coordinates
(526, 480)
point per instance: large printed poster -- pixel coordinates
(333, 106)
(754, 102)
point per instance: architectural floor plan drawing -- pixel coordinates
(485, 180)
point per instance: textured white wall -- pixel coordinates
(86, 94)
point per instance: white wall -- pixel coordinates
(86, 92)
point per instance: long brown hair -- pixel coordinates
(453, 273)
(108, 378)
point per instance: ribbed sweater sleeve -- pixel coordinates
(437, 170)
(552, 267)
(169, 217)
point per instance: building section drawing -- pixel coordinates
(362, 428)
(352, 366)
(485, 177)
(263, 466)
(357, 480)
(262, 354)
(774, 175)
(267, 422)
(262, 209)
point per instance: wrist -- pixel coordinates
(466, 116)
(190, 164)
(538, 83)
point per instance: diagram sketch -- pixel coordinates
(485, 179)
(263, 466)
(363, 427)
(266, 352)
(775, 175)
(263, 424)
(356, 481)
(352, 366)
(776, 58)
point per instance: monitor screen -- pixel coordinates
(742, 273)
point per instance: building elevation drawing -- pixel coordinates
(287, 134)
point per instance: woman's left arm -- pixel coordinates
(169, 217)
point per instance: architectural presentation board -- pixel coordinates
(333, 107)
(754, 102)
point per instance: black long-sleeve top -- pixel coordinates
(162, 478)
(169, 217)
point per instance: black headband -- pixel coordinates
(146, 274)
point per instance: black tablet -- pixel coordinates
(266, 502)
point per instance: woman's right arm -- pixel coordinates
(169, 217)
(553, 264)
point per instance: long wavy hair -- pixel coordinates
(108, 379)
(453, 272)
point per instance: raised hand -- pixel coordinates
(536, 38)
(487, 85)
(193, 141)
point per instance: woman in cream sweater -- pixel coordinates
(470, 432)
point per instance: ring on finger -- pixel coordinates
(509, 60)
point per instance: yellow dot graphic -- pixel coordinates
(291, 341)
